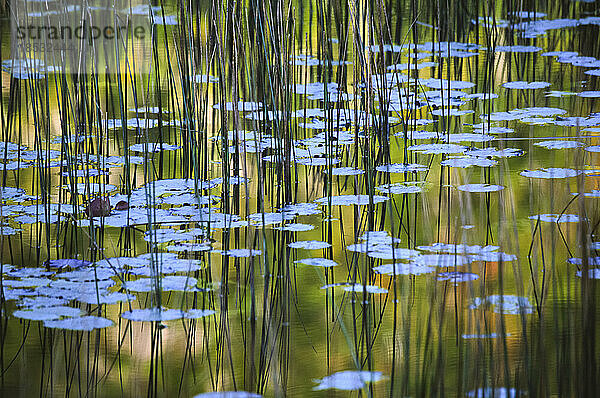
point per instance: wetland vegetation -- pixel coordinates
(302, 198)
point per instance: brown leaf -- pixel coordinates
(99, 207)
(122, 205)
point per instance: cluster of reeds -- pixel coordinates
(275, 330)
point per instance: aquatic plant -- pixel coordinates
(398, 198)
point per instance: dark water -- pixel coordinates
(471, 165)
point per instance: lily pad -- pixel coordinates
(504, 304)
(526, 85)
(552, 172)
(457, 277)
(309, 245)
(480, 188)
(228, 394)
(349, 200)
(84, 323)
(404, 269)
(152, 315)
(348, 380)
(318, 262)
(559, 144)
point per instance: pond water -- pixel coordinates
(305, 198)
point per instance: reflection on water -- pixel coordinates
(292, 199)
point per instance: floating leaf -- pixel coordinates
(122, 205)
(468, 161)
(499, 392)
(432, 149)
(152, 315)
(457, 277)
(99, 298)
(517, 49)
(197, 314)
(239, 252)
(99, 207)
(228, 394)
(483, 336)
(446, 84)
(451, 112)
(149, 147)
(593, 148)
(309, 245)
(559, 144)
(472, 137)
(345, 171)
(388, 252)
(589, 94)
(348, 380)
(205, 79)
(401, 188)
(301, 209)
(401, 167)
(317, 161)
(171, 283)
(359, 288)
(495, 152)
(458, 248)
(495, 257)
(349, 200)
(552, 172)
(504, 304)
(47, 313)
(480, 188)
(528, 14)
(593, 273)
(317, 262)
(296, 227)
(190, 247)
(404, 269)
(559, 94)
(578, 261)
(526, 85)
(441, 260)
(84, 323)
(558, 218)
(241, 106)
